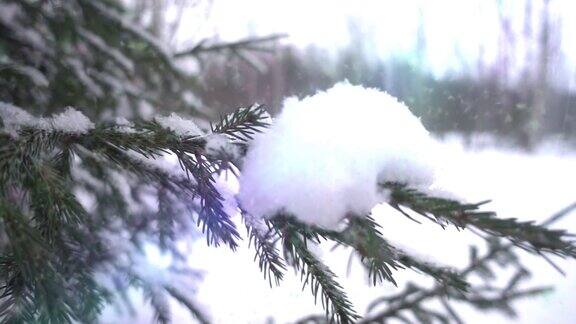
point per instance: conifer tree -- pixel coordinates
(62, 260)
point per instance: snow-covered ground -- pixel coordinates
(522, 185)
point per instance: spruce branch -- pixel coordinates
(115, 18)
(100, 45)
(321, 278)
(243, 123)
(526, 235)
(269, 260)
(410, 299)
(157, 298)
(158, 293)
(378, 255)
(49, 232)
(89, 53)
(245, 44)
(150, 140)
(364, 235)
(165, 222)
(216, 224)
(188, 303)
(24, 295)
(481, 297)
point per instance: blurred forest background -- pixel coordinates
(502, 68)
(512, 78)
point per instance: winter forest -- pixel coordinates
(221, 161)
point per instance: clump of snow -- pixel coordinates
(123, 125)
(217, 143)
(179, 125)
(267, 118)
(122, 121)
(256, 224)
(324, 156)
(69, 121)
(14, 118)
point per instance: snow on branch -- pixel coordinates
(324, 155)
(179, 125)
(70, 121)
(133, 148)
(341, 152)
(322, 166)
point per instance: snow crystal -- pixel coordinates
(179, 125)
(69, 121)
(324, 155)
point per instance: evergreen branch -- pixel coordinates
(249, 44)
(526, 235)
(27, 296)
(165, 218)
(120, 21)
(184, 300)
(363, 234)
(412, 296)
(155, 295)
(216, 224)
(242, 124)
(269, 260)
(16, 300)
(321, 279)
(122, 161)
(378, 255)
(113, 53)
(55, 209)
(49, 232)
(151, 141)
